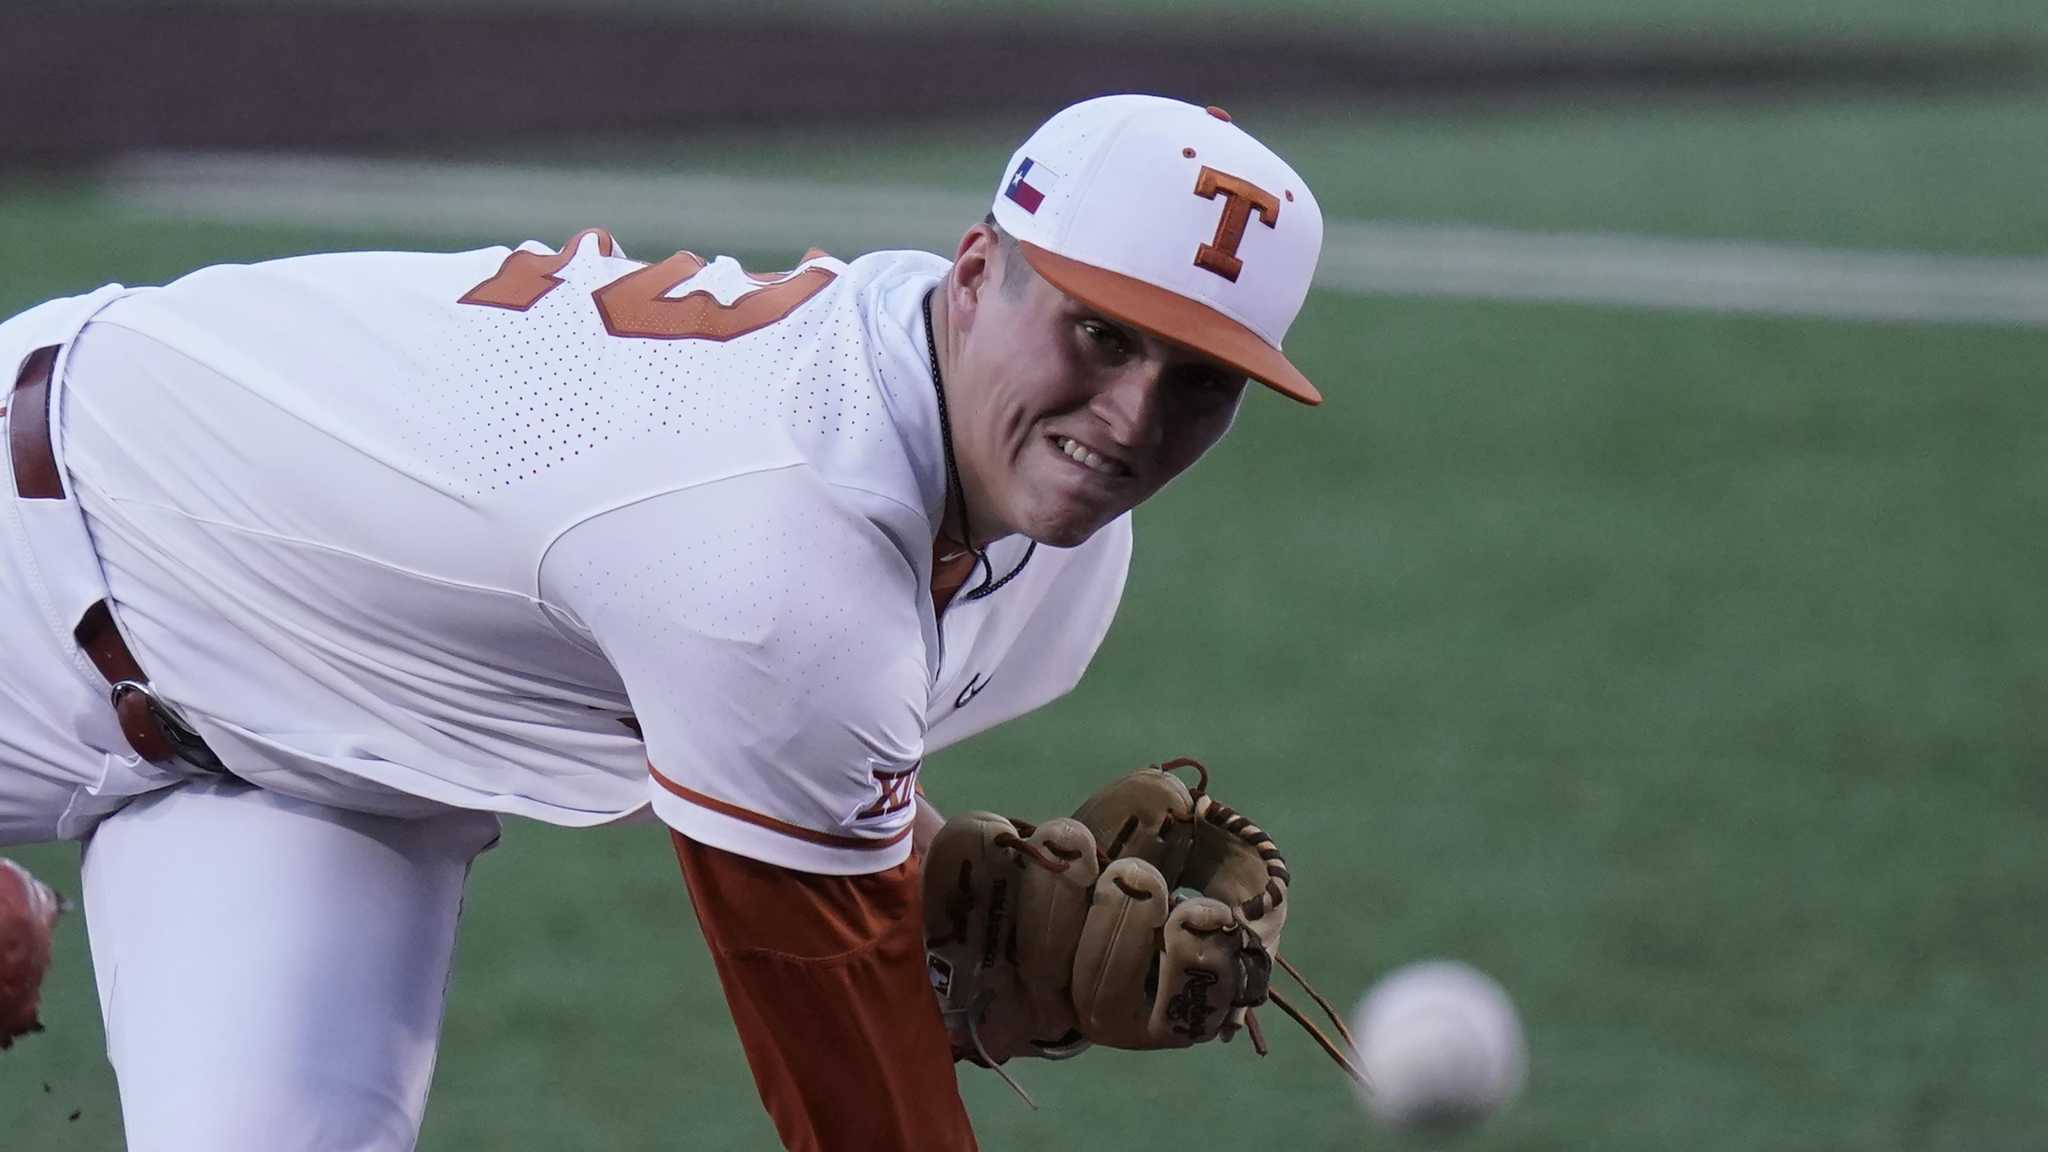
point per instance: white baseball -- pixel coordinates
(1441, 1044)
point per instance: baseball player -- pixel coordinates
(312, 570)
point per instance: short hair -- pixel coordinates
(1015, 270)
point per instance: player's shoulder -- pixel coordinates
(869, 410)
(814, 399)
(881, 295)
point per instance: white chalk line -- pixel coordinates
(1360, 257)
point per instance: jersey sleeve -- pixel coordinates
(765, 627)
(826, 979)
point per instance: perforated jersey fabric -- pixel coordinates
(392, 551)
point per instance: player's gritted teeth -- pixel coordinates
(1089, 458)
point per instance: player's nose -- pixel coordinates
(1129, 405)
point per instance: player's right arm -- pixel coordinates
(825, 977)
(766, 629)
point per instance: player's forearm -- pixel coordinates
(826, 979)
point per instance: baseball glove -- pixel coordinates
(1150, 919)
(28, 912)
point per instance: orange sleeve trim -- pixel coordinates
(748, 816)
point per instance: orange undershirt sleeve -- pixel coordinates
(826, 979)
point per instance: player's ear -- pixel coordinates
(974, 270)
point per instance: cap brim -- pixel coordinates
(1174, 318)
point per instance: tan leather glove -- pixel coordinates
(1149, 920)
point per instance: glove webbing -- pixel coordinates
(1237, 824)
(1277, 879)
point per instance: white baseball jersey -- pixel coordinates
(394, 527)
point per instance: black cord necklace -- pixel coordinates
(953, 488)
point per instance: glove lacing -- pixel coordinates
(1277, 879)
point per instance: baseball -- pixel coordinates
(1441, 1044)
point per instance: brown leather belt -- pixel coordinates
(28, 433)
(156, 734)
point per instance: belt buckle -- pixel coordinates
(186, 743)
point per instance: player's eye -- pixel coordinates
(1214, 383)
(1107, 339)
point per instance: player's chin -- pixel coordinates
(1060, 504)
(1064, 535)
(1068, 523)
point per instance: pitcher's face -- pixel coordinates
(1063, 418)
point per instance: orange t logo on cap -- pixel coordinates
(1240, 198)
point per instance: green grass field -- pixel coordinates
(1684, 672)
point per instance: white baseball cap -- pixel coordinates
(1170, 217)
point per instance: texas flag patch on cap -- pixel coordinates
(1029, 187)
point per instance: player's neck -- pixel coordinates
(955, 524)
